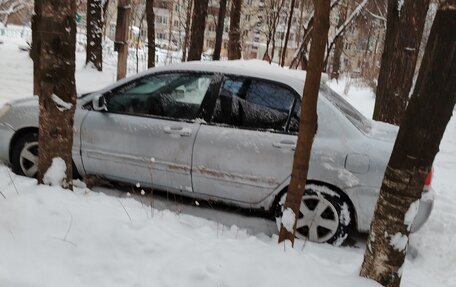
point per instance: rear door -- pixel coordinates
(147, 133)
(244, 153)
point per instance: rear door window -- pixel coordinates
(253, 103)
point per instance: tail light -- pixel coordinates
(428, 180)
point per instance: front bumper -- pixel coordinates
(6, 134)
(424, 210)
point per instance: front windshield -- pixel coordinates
(352, 114)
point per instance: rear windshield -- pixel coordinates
(352, 114)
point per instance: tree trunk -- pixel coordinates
(94, 50)
(403, 37)
(416, 145)
(150, 33)
(219, 31)
(287, 34)
(308, 121)
(338, 47)
(122, 33)
(139, 38)
(188, 21)
(57, 94)
(234, 42)
(197, 32)
(36, 47)
(105, 16)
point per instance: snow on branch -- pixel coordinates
(350, 18)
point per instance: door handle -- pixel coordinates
(285, 144)
(177, 130)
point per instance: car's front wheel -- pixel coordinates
(24, 156)
(323, 216)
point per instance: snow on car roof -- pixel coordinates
(248, 68)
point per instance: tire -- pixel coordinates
(324, 216)
(24, 156)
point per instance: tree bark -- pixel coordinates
(416, 145)
(234, 42)
(308, 120)
(150, 33)
(57, 94)
(339, 46)
(287, 34)
(219, 31)
(122, 33)
(36, 47)
(403, 37)
(188, 21)
(197, 31)
(94, 49)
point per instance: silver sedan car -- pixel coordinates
(223, 131)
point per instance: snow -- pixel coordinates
(344, 215)
(61, 104)
(55, 175)
(103, 237)
(399, 241)
(411, 213)
(288, 219)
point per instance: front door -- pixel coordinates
(146, 135)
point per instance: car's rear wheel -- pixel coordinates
(323, 216)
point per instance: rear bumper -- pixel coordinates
(6, 134)
(424, 210)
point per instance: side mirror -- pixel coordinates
(99, 103)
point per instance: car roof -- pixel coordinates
(247, 68)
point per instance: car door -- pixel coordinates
(245, 153)
(146, 135)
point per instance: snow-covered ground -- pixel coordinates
(102, 237)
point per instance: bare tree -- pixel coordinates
(271, 16)
(405, 25)
(150, 33)
(94, 50)
(121, 43)
(416, 145)
(36, 47)
(339, 43)
(188, 23)
(287, 35)
(197, 31)
(308, 119)
(341, 29)
(219, 31)
(234, 42)
(57, 93)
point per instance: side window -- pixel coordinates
(174, 95)
(253, 103)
